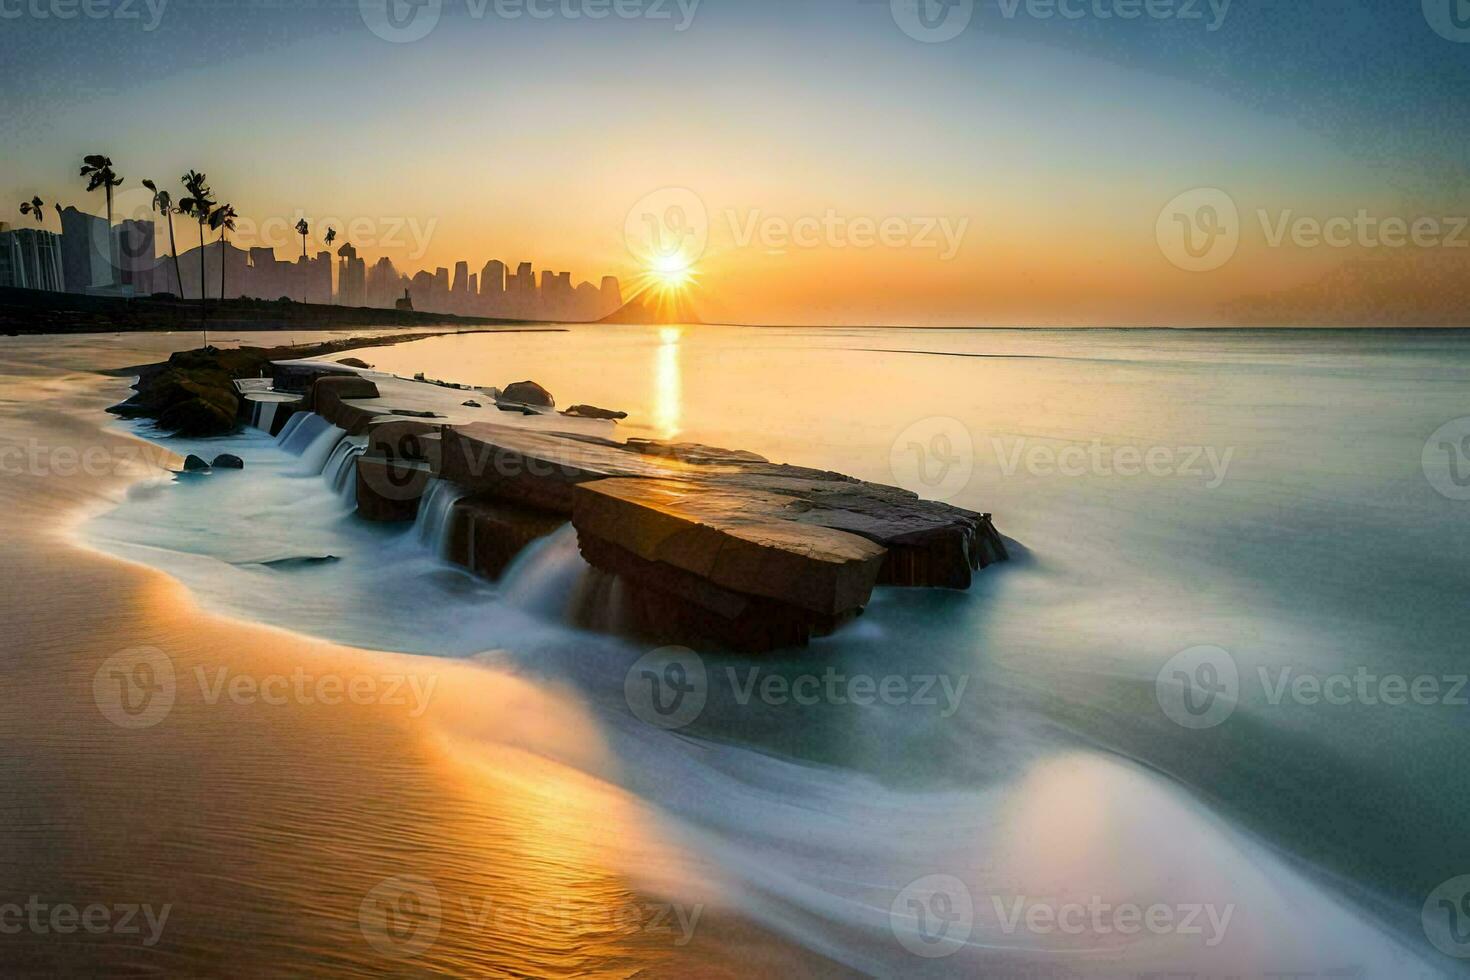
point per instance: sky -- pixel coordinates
(926, 162)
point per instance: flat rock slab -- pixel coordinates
(486, 535)
(927, 543)
(715, 544)
(539, 469)
(737, 539)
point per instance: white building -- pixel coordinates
(30, 258)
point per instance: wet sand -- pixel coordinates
(436, 821)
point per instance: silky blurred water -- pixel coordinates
(1255, 505)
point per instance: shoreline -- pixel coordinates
(285, 818)
(32, 312)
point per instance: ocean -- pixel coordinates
(1208, 719)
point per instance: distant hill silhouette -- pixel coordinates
(648, 307)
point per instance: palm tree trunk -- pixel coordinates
(178, 277)
(222, 257)
(203, 308)
(111, 253)
(305, 273)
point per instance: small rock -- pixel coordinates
(512, 407)
(193, 464)
(355, 362)
(471, 404)
(228, 461)
(593, 412)
(528, 393)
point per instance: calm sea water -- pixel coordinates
(1221, 682)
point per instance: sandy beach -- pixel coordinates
(285, 806)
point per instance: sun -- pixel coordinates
(671, 271)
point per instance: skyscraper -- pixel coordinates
(351, 277)
(492, 279)
(86, 252)
(612, 296)
(30, 258)
(135, 252)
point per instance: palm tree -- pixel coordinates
(33, 206)
(99, 173)
(164, 205)
(331, 236)
(303, 229)
(98, 169)
(197, 205)
(222, 219)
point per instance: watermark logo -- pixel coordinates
(1446, 917)
(401, 915)
(933, 457)
(41, 918)
(400, 21)
(1072, 460)
(667, 687)
(933, 916)
(942, 692)
(394, 478)
(932, 21)
(777, 234)
(411, 691)
(35, 458)
(1450, 19)
(1097, 917)
(135, 688)
(1074, 10)
(1198, 687)
(1199, 230)
(1446, 459)
(396, 467)
(131, 248)
(667, 230)
(118, 10)
(1363, 230)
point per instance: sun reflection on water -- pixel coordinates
(668, 383)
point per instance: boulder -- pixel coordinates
(341, 386)
(355, 362)
(528, 393)
(593, 412)
(471, 404)
(228, 461)
(194, 464)
(197, 417)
